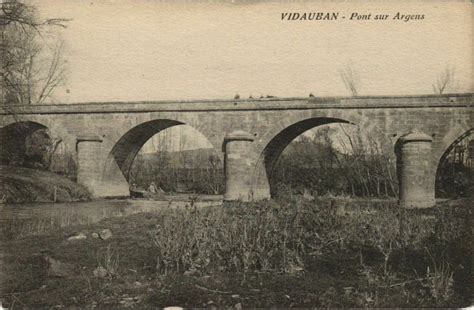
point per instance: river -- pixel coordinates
(89, 212)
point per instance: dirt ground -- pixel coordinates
(47, 269)
(27, 281)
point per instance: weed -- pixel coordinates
(439, 280)
(109, 259)
(242, 238)
(272, 237)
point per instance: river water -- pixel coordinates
(89, 212)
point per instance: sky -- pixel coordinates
(150, 50)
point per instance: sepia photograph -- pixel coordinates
(234, 154)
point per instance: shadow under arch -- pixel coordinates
(13, 141)
(120, 159)
(440, 168)
(270, 154)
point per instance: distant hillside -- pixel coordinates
(19, 184)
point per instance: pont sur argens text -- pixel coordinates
(352, 16)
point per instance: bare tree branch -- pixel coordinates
(351, 79)
(445, 81)
(15, 12)
(29, 72)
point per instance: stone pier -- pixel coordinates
(238, 167)
(89, 172)
(415, 173)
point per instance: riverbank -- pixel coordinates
(294, 254)
(23, 185)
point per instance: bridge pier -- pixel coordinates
(416, 180)
(260, 186)
(89, 171)
(238, 166)
(91, 165)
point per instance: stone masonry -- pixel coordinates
(104, 138)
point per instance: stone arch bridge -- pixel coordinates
(249, 135)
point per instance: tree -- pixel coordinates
(351, 79)
(444, 81)
(31, 63)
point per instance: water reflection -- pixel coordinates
(18, 220)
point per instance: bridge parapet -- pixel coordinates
(372, 102)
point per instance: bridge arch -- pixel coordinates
(451, 142)
(117, 169)
(13, 138)
(260, 188)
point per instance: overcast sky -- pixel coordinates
(149, 50)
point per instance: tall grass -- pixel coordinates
(238, 237)
(275, 237)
